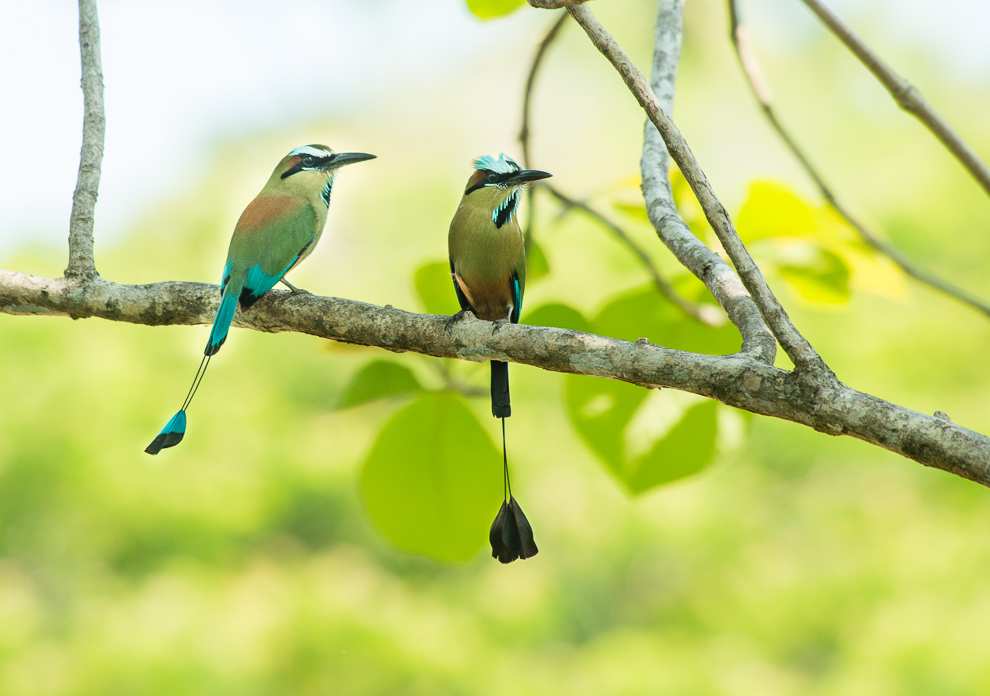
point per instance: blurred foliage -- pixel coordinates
(378, 379)
(558, 315)
(490, 9)
(287, 545)
(537, 264)
(435, 288)
(608, 414)
(429, 483)
(809, 247)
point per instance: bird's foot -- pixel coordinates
(449, 324)
(498, 324)
(294, 289)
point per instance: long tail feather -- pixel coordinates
(506, 485)
(171, 434)
(511, 535)
(175, 429)
(221, 324)
(500, 390)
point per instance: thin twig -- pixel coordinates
(451, 383)
(81, 262)
(800, 351)
(529, 237)
(531, 81)
(754, 76)
(904, 93)
(468, 391)
(705, 313)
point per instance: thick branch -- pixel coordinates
(754, 77)
(904, 93)
(797, 347)
(81, 222)
(737, 380)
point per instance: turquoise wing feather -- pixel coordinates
(273, 234)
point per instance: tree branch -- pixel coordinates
(904, 93)
(754, 77)
(529, 236)
(797, 347)
(737, 380)
(554, 4)
(81, 263)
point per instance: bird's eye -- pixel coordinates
(491, 177)
(308, 160)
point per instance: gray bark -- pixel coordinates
(82, 219)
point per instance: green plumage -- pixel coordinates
(274, 233)
(485, 258)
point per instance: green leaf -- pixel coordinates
(773, 210)
(600, 410)
(689, 447)
(617, 420)
(378, 379)
(637, 211)
(643, 313)
(490, 9)
(537, 265)
(605, 411)
(435, 288)
(558, 315)
(817, 274)
(432, 482)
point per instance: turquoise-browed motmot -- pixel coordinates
(488, 265)
(276, 231)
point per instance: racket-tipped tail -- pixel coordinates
(171, 434)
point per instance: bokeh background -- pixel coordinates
(259, 558)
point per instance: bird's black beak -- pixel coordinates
(524, 176)
(341, 159)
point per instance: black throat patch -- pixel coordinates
(504, 212)
(325, 193)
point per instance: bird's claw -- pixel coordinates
(449, 324)
(498, 324)
(294, 289)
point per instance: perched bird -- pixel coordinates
(276, 231)
(488, 265)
